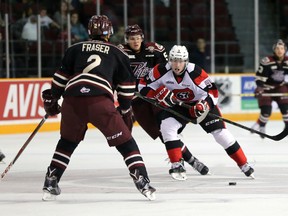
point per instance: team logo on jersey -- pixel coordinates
(185, 95)
(84, 90)
(151, 49)
(278, 75)
(140, 69)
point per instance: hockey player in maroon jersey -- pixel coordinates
(272, 77)
(184, 81)
(87, 78)
(143, 57)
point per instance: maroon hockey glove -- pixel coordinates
(128, 117)
(165, 97)
(199, 108)
(51, 105)
(258, 92)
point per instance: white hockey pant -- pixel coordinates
(223, 137)
(169, 129)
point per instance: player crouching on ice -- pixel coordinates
(180, 80)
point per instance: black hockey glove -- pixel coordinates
(51, 105)
(128, 117)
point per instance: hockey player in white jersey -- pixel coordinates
(180, 80)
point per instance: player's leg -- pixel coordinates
(111, 124)
(223, 137)
(265, 113)
(169, 131)
(72, 130)
(265, 107)
(146, 116)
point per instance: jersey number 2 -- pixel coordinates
(93, 64)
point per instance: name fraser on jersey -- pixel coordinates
(88, 47)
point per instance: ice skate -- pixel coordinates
(142, 184)
(178, 171)
(247, 170)
(50, 188)
(2, 156)
(199, 166)
(259, 128)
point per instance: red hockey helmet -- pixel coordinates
(132, 30)
(99, 25)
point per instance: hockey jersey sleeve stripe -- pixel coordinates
(57, 74)
(213, 93)
(59, 79)
(132, 86)
(156, 73)
(261, 78)
(203, 75)
(126, 94)
(58, 84)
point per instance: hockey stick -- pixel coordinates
(155, 103)
(253, 95)
(277, 137)
(24, 146)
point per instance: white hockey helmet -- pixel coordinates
(178, 53)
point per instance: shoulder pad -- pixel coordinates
(120, 46)
(123, 48)
(151, 47)
(120, 49)
(266, 60)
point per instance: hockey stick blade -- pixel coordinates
(24, 145)
(277, 137)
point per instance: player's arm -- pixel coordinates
(202, 80)
(125, 85)
(153, 87)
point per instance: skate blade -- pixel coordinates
(252, 176)
(48, 196)
(151, 195)
(179, 176)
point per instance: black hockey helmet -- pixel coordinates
(279, 42)
(132, 30)
(99, 25)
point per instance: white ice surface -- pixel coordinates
(97, 181)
